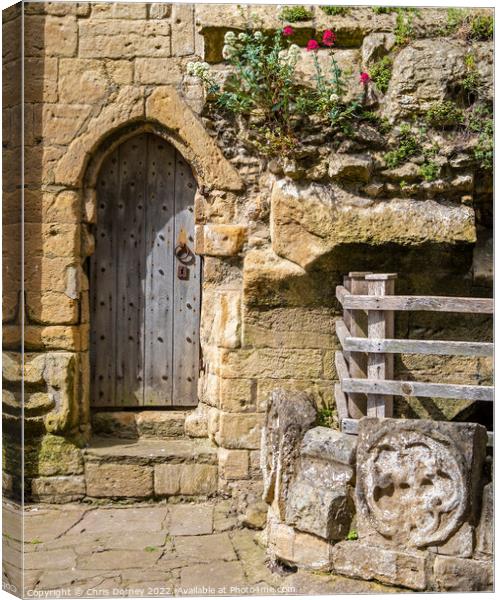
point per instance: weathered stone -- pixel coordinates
(239, 431)
(158, 71)
(237, 395)
(407, 468)
(125, 10)
(300, 549)
(255, 516)
(118, 481)
(288, 417)
(327, 444)
(485, 529)
(58, 489)
(185, 479)
(350, 167)
(186, 519)
(51, 456)
(160, 10)
(422, 74)
(460, 544)
(309, 221)
(483, 60)
(220, 240)
(196, 423)
(463, 575)
(160, 424)
(183, 32)
(166, 105)
(113, 38)
(375, 46)
(482, 266)
(56, 36)
(406, 172)
(394, 567)
(233, 464)
(115, 424)
(221, 317)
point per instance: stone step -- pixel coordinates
(150, 468)
(140, 424)
(150, 451)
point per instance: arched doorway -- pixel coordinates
(144, 279)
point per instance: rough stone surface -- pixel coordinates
(185, 479)
(288, 417)
(484, 531)
(394, 567)
(310, 221)
(113, 480)
(417, 480)
(464, 575)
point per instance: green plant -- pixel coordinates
(352, 535)
(444, 114)
(325, 417)
(383, 10)
(429, 170)
(469, 25)
(262, 88)
(381, 73)
(150, 549)
(480, 121)
(36, 541)
(408, 146)
(404, 25)
(335, 10)
(294, 14)
(471, 83)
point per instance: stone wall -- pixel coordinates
(406, 503)
(276, 237)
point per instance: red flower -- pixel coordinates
(312, 46)
(364, 78)
(288, 31)
(329, 38)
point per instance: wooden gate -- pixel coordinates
(145, 279)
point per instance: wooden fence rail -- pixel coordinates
(365, 366)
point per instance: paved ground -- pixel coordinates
(149, 550)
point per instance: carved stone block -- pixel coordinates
(417, 481)
(463, 574)
(320, 497)
(289, 415)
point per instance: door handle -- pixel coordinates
(182, 252)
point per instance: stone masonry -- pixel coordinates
(275, 239)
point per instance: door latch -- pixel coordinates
(182, 272)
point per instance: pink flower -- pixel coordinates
(329, 38)
(312, 46)
(364, 78)
(288, 31)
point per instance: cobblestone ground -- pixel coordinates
(150, 550)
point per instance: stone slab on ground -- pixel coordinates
(164, 553)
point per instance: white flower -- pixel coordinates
(294, 51)
(227, 51)
(229, 37)
(197, 69)
(242, 36)
(258, 35)
(334, 98)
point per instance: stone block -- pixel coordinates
(121, 10)
(47, 207)
(51, 456)
(484, 530)
(240, 431)
(183, 30)
(327, 444)
(115, 424)
(118, 480)
(116, 38)
(310, 221)
(422, 74)
(271, 363)
(234, 464)
(54, 337)
(185, 479)
(350, 167)
(159, 71)
(58, 490)
(321, 392)
(375, 46)
(62, 122)
(52, 240)
(288, 417)
(82, 78)
(196, 423)
(52, 36)
(237, 395)
(296, 548)
(454, 574)
(40, 79)
(52, 308)
(393, 567)
(417, 480)
(160, 10)
(160, 424)
(220, 240)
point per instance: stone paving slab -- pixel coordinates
(154, 551)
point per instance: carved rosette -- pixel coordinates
(412, 486)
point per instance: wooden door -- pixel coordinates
(144, 311)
